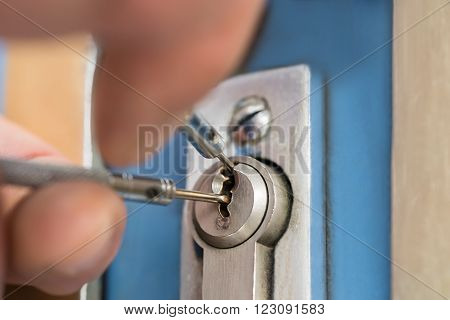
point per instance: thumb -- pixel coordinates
(58, 237)
(64, 235)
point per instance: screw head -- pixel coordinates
(250, 121)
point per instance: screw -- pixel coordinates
(250, 121)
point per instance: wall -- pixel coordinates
(45, 91)
(421, 151)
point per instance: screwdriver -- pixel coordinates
(132, 187)
(206, 140)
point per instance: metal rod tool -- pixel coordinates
(139, 188)
(206, 140)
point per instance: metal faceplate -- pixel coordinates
(249, 267)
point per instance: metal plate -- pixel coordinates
(288, 145)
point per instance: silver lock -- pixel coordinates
(247, 228)
(226, 226)
(259, 201)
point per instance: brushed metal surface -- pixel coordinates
(284, 265)
(246, 209)
(243, 271)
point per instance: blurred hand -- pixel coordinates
(182, 50)
(156, 59)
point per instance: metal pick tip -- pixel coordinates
(227, 162)
(223, 198)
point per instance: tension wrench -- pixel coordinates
(206, 140)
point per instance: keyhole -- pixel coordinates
(227, 181)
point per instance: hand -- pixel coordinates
(157, 59)
(58, 237)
